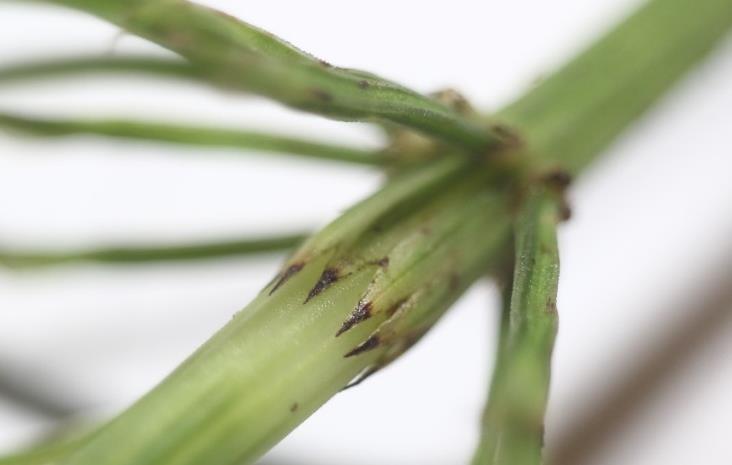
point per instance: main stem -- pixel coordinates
(578, 111)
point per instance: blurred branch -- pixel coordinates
(143, 254)
(704, 318)
(192, 136)
(33, 391)
(59, 67)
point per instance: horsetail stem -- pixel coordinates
(217, 409)
(513, 421)
(358, 293)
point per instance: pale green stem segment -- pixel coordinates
(238, 55)
(575, 113)
(193, 136)
(149, 254)
(513, 420)
(93, 64)
(287, 352)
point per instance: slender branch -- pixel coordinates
(237, 54)
(513, 421)
(193, 136)
(323, 320)
(168, 67)
(147, 254)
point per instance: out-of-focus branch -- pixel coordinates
(92, 64)
(592, 430)
(33, 391)
(143, 254)
(200, 136)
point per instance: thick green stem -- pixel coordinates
(237, 54)
(337, 308)
(193, 136)
(167, 67)
(513, 421)
(575, 113)
(150, 254)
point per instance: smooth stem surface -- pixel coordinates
(149, 254)
(192, 136)
(575, 113)
(513, 421)
(240, 55)
(59, 67)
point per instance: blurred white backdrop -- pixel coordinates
(649, 221)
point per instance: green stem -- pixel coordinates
(578, 111)
(168, 67)
(193, 136)
(279, 359)
(513, 421)
(148, 254)
(237, 54)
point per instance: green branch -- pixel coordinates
(193, 136)
(577, 112)
(365, 288)
(237, 54)
(513, 421)
(168, 67)
(145, 254)
(326, 317)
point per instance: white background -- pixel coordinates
(652, 219)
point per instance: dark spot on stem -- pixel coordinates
(454, 100)
(322, 95)
(285, 275)
(454, 283)
(509, 137)
(294, 407)
(565, 211)
(383, 262)
(551, 305)
(369, 344)
(363, 84)
(558, 179)
(329, 276)
(360, 313)
(377, 228)
(324, 64)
